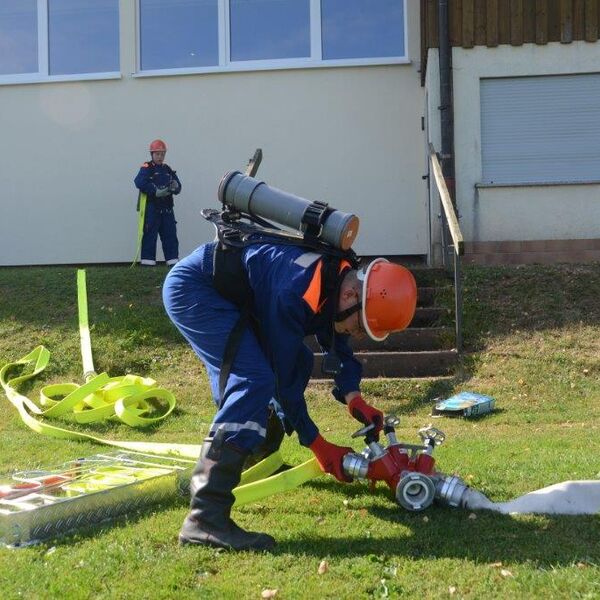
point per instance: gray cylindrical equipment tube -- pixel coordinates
(256, 198)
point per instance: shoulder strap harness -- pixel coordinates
(235, 232)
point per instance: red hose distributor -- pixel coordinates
(408, 469)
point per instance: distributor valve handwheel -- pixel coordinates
(391, 421)
(363, 431)
(435, 436)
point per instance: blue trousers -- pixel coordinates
(205, 320)
(159, 221)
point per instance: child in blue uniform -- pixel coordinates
(160, 183)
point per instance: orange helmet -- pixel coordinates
(389, 298)
(158, 146)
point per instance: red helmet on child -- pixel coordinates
(158, 146)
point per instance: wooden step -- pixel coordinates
(428, 316)
(425, 296)
(416, 339)
(399, 364)
(426, 277)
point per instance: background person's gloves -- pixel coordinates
(174, 186)
(329, 456)
(366, 414)
(162, 192)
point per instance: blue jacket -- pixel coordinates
(286, 285)
(151, 177)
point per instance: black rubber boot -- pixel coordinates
(209, 522)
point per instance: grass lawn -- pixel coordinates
(533, 343)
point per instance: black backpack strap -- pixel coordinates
(230, 277)
(332, 274)
(231, 281)
(231, 348)
(330, 277)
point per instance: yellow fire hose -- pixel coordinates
(141, 208)
(252, 491)
(126, 399)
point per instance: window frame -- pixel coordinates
(42, 75)
(227, 66)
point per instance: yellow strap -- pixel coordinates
(276, 484)
(140, 229)
(263, 469)
(89, 403)
(84, 328)
(103, 397)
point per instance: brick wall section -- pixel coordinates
(532, 251)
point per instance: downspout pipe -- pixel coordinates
(446, 106)
(447, 126)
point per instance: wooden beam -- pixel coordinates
(456, 8)
(492, 23)
(480, 22)
(504, 22)
(468, 24)
(516, 22)
(453, 226)
(578, 19)
(566, 21)
(529, 21)
(433, 34)
(591, 20)
(424, 48)
(541, 21)
(554, 20)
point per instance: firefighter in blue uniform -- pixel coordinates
(160, 183)
(284, 303)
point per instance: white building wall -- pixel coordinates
(349, 136)
(517, 212)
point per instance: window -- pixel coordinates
(540, 129)
(49, 40)
(222, 35)
(362, 28)
(179, 34)
(18, 37)
(83, 37)
(269, 29)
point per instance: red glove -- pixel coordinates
(330, 456)
(366, 414)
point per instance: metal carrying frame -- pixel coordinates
(47, 503)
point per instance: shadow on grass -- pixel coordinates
(489, 539)
(483, 536)
(546, 541)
